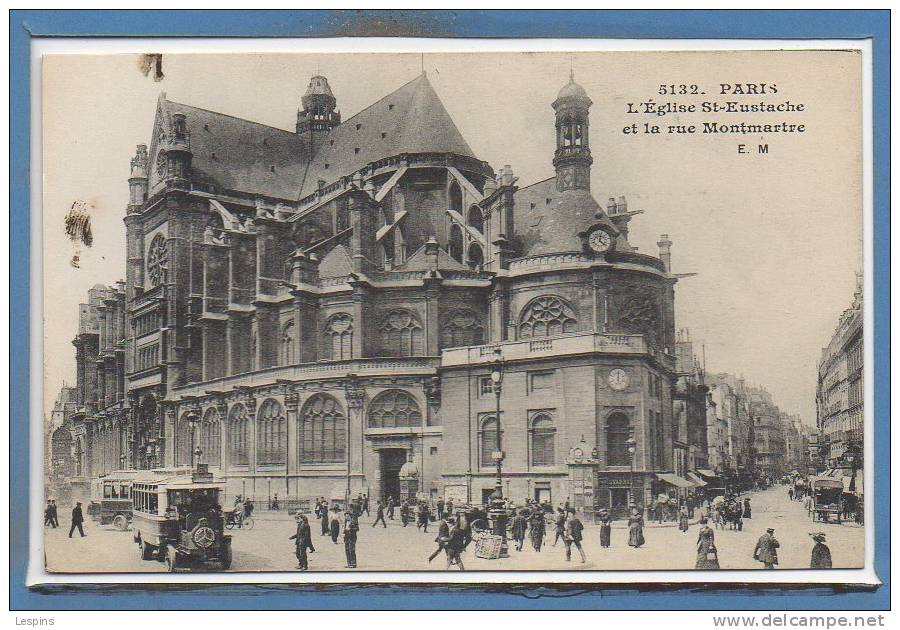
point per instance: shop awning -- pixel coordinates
(675, 480)
(707, 473)
(697, 480)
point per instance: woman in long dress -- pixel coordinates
(635, 529)
(707, 555)
(605, 529)
(683, 519)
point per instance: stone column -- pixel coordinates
(292, 426)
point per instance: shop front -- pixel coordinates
(617, 492)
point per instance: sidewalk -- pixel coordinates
(282, 515)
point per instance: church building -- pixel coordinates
(313, 310)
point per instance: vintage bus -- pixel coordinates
(177, 518)
(111, 498)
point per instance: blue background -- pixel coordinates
(600, 24)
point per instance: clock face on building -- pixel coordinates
(599, 241)
(618, 379)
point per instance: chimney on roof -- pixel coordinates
(665, 251)
(506, 175)
(611, 206)
(490, 186)
(621, 205)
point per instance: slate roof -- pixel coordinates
(237, 154)
(411, 119)
(548, 221)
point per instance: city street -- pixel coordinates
(267, 548)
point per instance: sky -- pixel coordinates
(775, 239)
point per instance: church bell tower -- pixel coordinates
(573, 152)
(318, 116)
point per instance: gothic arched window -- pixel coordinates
(618, 430)
(487, 441)
(183, 441)
(401, 334)
(337, 344)
(323, 431)
(157, 261)
(475, 256)
(211, 437)
(475, 218)
(543, 440)
(271, 433)
(288, 344)
(546, 316)
(461, 328)
(455, 200)
(238, 433)
(455, 244)
(394, 409)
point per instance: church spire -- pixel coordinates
(573, 153)
(318, 116)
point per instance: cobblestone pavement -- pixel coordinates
(267, 548)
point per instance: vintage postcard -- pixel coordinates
(455, 312)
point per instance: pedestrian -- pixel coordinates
(335, 524)
(791, 493)
(573, 536)
(519, 525)
(366, 504)
(441, 539)
(456, 544)
(77, 520)
(440, 509)
(54, 514)
(683, 519)
(635, 529)
(423, 517)
(302, 541)
(560, 526)
(48, 511)
(821, 554)
(390, 508)
(605, 529)
(323, 516)
(537, 527)
(766, 550)
(404, 513)
(275, 506)
(747, 512)
(448, 509)
(379, 515)
(707, 554)
(351, 527)
(248, 508)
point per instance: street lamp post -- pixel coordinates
(193, 419)
(497, 381)
(631, 445)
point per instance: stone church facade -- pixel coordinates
(318, 307)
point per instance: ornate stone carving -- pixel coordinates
(433, 391)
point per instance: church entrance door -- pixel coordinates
(392, 460)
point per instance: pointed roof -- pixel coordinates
(419, 262)
(412, 119)
(236, 154)
(336, 263)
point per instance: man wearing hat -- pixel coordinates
(351, 527)
(302, 541)
(442, 537)
(767, 549)
(821, 554)
(77, 520)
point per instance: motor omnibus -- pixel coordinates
(178, 520)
